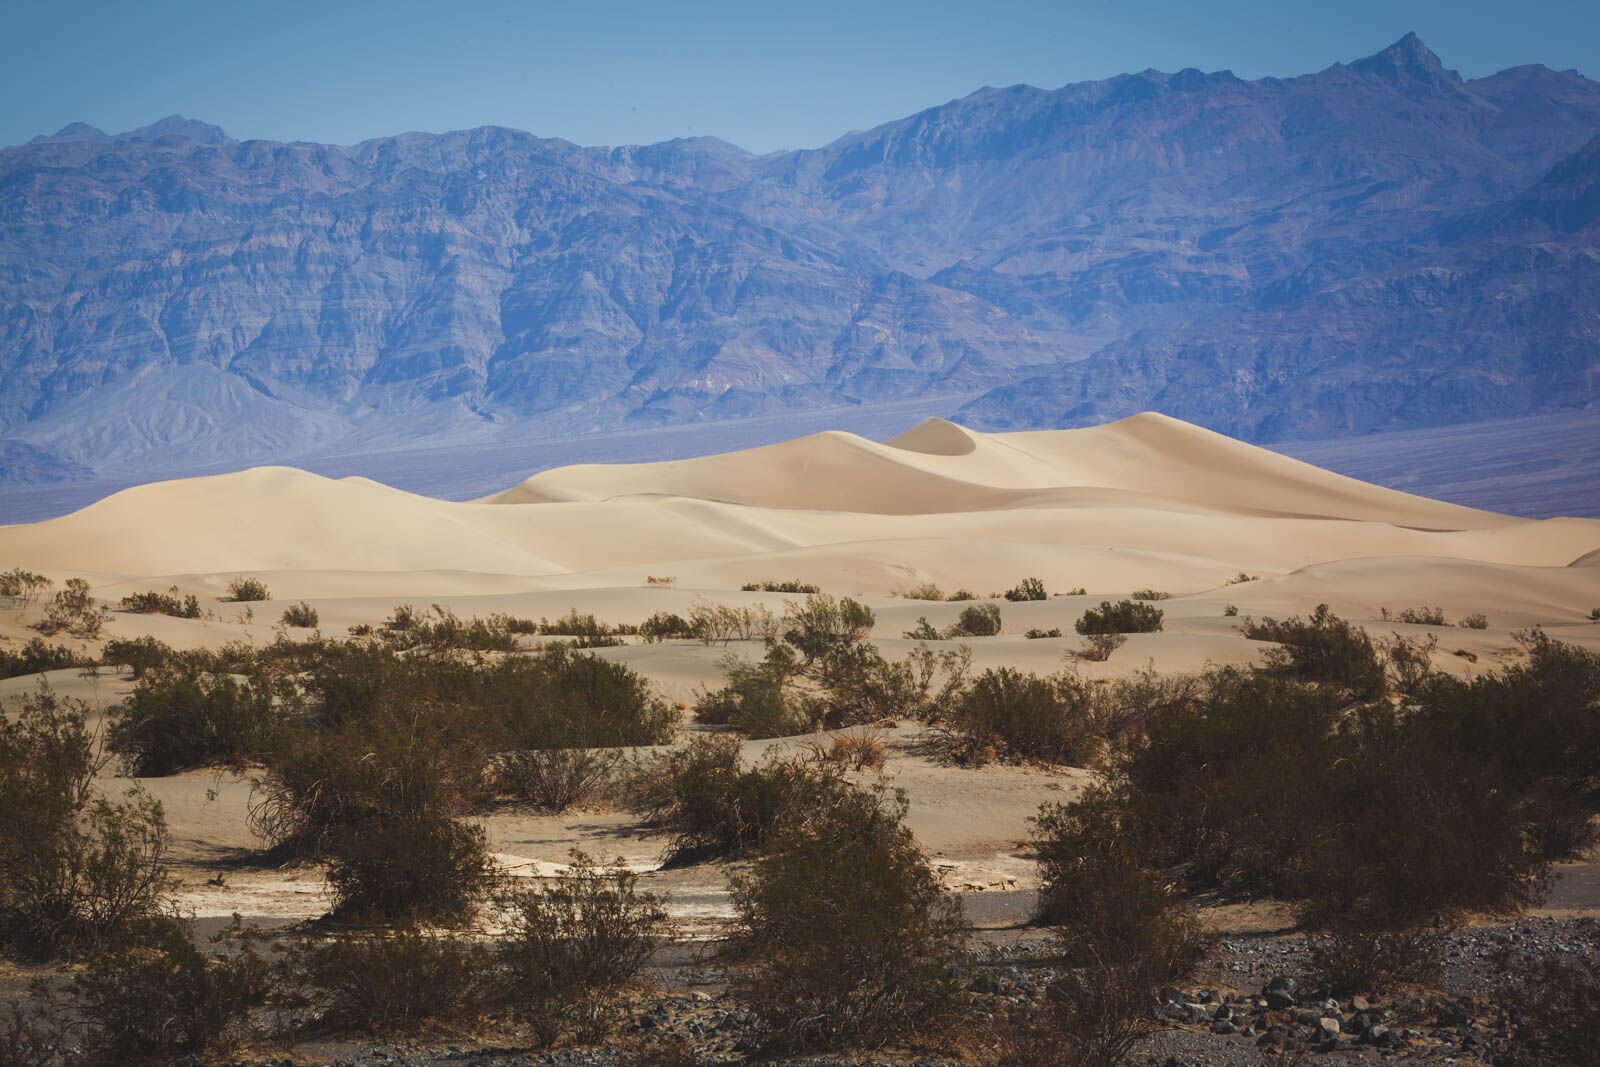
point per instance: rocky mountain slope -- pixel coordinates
(1380, 244)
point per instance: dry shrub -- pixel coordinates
(1553, 1003)
(79, 872)
(844, 936)
(1410, 660)
(178, 719)
(1476, 621)
(665, 626)
(979, 620)
(168, 603)
(302, 615)
(923, 591)
(786, 586)
(712, 804)
(1005, 714)
(141, 655)
(572, 943)
(36, 657)
(1098, 647)
(392, 981)
(860, 749)
(1027, 589)
(244, 590)
(1150, 594)
(162, 999)
(1324, 649)
(555, 779)
(74, 610)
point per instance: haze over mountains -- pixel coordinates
(1378, 245)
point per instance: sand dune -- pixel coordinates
(1147, 502)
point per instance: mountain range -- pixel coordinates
(1379, 245)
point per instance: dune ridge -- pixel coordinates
(1144, 501)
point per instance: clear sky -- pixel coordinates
(763, 75)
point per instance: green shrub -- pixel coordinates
(36, 657)
(758, 702)
(391, 982)
(844, 936)
(1150, 594)
(555, 779)
(78, 871)
(559, 698)
(967, 594)
(1027, 589)
(923, 631)
(245, 590)
(179, 719)
(301, 615)
(572, 943)
(1415, 616)
(1476, 621)
(1123, 617)
(979, 620)
(414, 865)
(1323, 648)
(1009, 715)
(74, 610)
(162, 999)
(1036, 633)
(923, 591)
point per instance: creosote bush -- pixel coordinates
(161, 999)
(789, 586)
(301, 615)
(23, 587)
(168, 603)
(713, 804)
(844, 936)
(36, 657)
(1098, 647)
(665, 626)
(572, 943)
(245, 590)
(178, 719)
(923, 591)
(1476, 621)
(79, 872)
(1323, 648)
(1150, 594)
(979, 620)
(1027, 589)
(393, 981)
(1123, 617)
(74, 610)
(1037, 633)
(1005, 714)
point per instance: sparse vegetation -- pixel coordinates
(665, 626)
(1553, 1003)
(844, 936)
(923, 591)
(572, 944)
(967, 594)
(1027, 589)
(790, 586)
(1476, 621)
(1415, 616)
(180, 718)
(1323, 648)
(79, 872)
(1241, 578)
(36, 657)
(245, 590)
(168, 603)
(1123, 617)
(23, 588)
(1036, 633)
(300, 615)
(1150, 594)
(1005, 714)
(395, 981)
(74, 610)
(1098, 647)
(979, 620)
(712, 623)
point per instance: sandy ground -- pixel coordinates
(1147, 502)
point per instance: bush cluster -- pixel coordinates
(1027, 589)
(75, 611)
(1323, 648)
(180, 718)
(1005, 714)
(36, 657)
(244, 590)
(790, 586)
(168, 603)
(1122, 617)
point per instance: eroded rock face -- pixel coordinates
(1378, 244)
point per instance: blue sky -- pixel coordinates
(762, 75)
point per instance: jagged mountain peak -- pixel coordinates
(1407, 60)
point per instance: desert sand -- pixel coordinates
(1146, 502)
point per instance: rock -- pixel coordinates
(1222, 1026)
(1329, 1025)
(1279, 993)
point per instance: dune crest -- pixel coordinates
(1146, 500)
